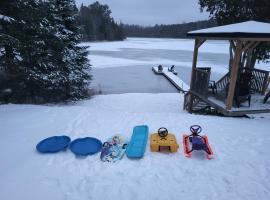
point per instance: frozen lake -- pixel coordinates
(125, 67)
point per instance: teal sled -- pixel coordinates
(137, 144)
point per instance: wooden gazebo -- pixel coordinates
(243, 37)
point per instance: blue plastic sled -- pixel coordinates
(137, 145)
(114, 148)
(53, 144)
(85, 146)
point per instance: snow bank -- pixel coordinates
(240, 169)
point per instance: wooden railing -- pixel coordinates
(201, 81)
(259, 80)
(222, 83)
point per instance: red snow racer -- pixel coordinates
(196, 142)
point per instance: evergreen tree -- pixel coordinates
(34, 30)
(73, 58)
(51, 66)
(10, 60)
(98, 24)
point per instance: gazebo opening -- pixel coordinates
(243, 90)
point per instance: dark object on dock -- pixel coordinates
(172, 69)
(160, 68)
(266, 97)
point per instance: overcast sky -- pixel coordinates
(150, 12)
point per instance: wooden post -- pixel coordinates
(234, 73)
(198, 43)
(232, 45)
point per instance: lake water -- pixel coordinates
(123, 67)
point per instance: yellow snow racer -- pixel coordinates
(163, 141)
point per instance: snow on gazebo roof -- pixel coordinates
(249, 29)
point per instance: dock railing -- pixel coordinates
(259, 81)
(201, 80)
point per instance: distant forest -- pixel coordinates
(97, 24)
(166, 31)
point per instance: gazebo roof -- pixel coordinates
(246, 30)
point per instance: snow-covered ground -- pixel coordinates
(239, 170)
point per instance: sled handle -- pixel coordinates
(195, 129)
(162, 132)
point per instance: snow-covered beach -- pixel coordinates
(239, 170)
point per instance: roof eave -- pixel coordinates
(231, 36)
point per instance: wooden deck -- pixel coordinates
(201, 99)
(180, 85)
(256, 106)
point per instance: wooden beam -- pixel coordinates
(234, 73)
(255, 45)
(235, 38)
(233, 45)
(248, 45)
(198, 43)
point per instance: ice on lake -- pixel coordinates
(125, 66)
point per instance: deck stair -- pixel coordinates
(198, 106)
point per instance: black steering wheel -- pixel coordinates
(195, 129)
(162, 132)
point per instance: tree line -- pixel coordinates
(166, 31)
(97, 23)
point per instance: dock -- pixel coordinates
(175, 80)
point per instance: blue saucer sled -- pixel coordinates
(85, 146)
(137, 144)
(53, 144)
